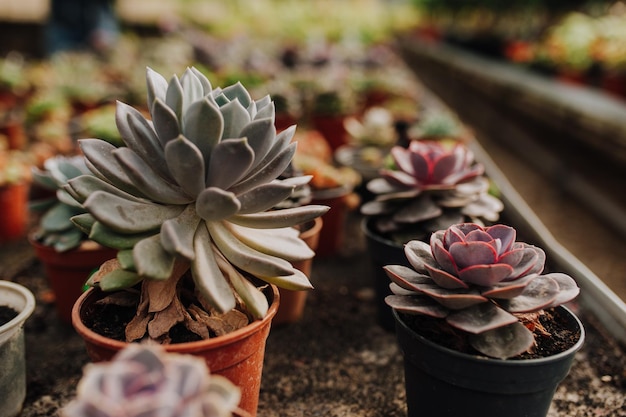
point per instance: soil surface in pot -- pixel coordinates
(7, 314)
(336, 361)
(554, 337)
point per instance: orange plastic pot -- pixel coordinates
(14, 209)
(67, 271)
(292, 302)
(237, 356)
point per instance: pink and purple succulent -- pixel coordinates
(481, 281)
(433, 184)
(145, 380)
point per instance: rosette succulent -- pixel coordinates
(192, 191)
(56, 228)
(480, 281)
(145, 380)
(430, 186)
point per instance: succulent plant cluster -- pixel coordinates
(145, 380)
(481, 281)
(192, 190)
(56, 228)
(430, 186)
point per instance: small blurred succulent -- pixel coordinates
(435, 124)
(144, 380)
(56, 228)
(481, 281)
(375, 129)
(430, 186)
(193, 190)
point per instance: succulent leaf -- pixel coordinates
(406, 278)
(264, 197)
(156, 87)
(150, 182)
(192, 91)
(415, 304)
(203, 125)
(237, 92)
(118, 279)
(102, 163)
(174, 97)
(268, 172)
(207, 275)
(165, 122)
(540, 293)
(260, 134)
(280, 218)
(177, 233)
(230, 160)
(246, 258)
(111, 239)
(216, 204)
(503, 342)
(152, 260)
(126, 216)
(283, 243)
(186, 164)
(126, 260)
(235, 116)
(82, 187)
(254, 299)
(568, 290)
(480, 318)
(58, 218)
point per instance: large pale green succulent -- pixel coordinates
(192, 189)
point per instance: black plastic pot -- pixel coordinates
(382, 252)
(446, 383)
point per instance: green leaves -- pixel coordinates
(128, 217)
(186, 164)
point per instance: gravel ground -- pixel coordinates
(335, 362)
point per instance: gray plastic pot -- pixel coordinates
(12, 359)
(446, 383)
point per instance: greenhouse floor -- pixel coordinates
(336, 361)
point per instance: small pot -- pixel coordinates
(382, 252)
(12, 358)
(237, 356)
(292, 302)
(14, 209)
(446, 383)
(332, 128)
(333, 233)
(68, 271)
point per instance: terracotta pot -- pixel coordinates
(333, 233)
(237, 356)
(13, 130)
(67, 271)
(14, 209)
(292, 302)
(331, 127)
(12, 358)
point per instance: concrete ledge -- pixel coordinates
(581, 113)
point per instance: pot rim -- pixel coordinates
(25, 309)
(504, 362)
(199, 345)
(366, 227)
